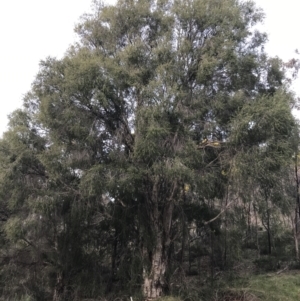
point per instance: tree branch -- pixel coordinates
(217, 216)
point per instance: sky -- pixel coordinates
(32, 30)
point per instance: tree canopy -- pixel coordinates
(128, 149)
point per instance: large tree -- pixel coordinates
(152, 109)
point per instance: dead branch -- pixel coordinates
(217, 216)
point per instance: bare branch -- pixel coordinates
(217, 216)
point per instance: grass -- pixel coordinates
(268, 287)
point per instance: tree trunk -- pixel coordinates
(59, 287)
(113, 262)
(297, 186)
(155, 276)
(267, 225)
(295, 232)
(297, 210)
(154, 280)
(256, 227)
(269, 233)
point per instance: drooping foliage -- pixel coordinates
(142, 149)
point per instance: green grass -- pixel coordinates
(268, 287)
(263, 287)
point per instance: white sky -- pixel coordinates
(31, 30)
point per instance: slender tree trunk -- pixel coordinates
(269, 233)
(268, 226)
(256, 226)
(225, 234)
(212, 258)
(269, 239)
(297, 210)
(295, 233)
(183, 243)
(297, 186)
(59, 287)
(249, 220)
(113, 262)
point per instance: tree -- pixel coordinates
(149, 112)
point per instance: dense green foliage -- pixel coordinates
(158, 148)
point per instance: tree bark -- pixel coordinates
(297, 210)
(295, 233)
(59, 287)
(256, 234)
(155, 276)
(154, 280)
